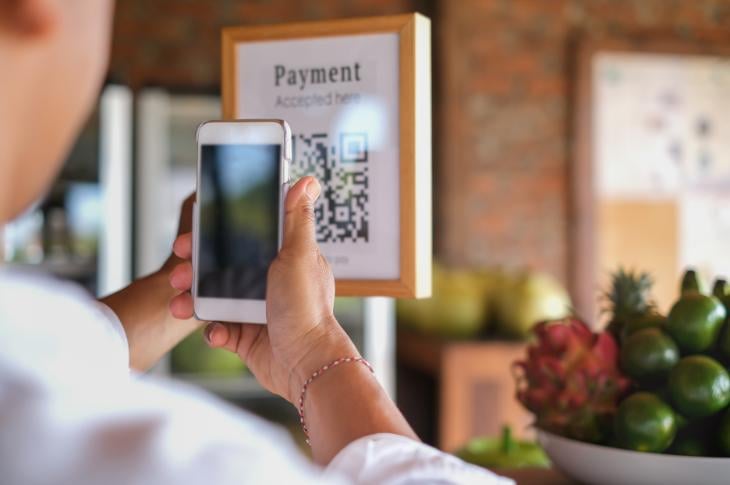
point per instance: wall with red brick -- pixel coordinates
(177, 42)
(504, 108)
(502, 82)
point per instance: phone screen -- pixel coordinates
(238, 220)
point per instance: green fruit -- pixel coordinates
(457, 309)
(528, 299)
(645, 423)
(724, 342)
(682, 422)
(699, 386)
(723, 435)
(726, 303)
(691, 283)
(689, 446)
(648, 320)
(720, 288)
(724, 298)
(697, 437)
(695, 321)
(504, 452)
(648, 355)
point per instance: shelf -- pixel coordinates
(419, 351)
(426, 353)
(473, 390)
(239, 387)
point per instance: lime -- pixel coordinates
(691, 282)
(645, 423)
(726, 302)
(697, 437)
(648, 320)
(682, 422)
(699, 386)
(720, 288)
(723, 437)
(724, 342)
(695, 322)
(648, 355)
(689, 446)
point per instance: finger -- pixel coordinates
(299, 216)
(183, 246)
(181, 306)
(223, 335)
(181, 276)
(186, 215)
(235, 337)
(251, 335)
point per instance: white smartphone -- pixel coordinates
(237, 218)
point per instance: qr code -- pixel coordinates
(341, 166)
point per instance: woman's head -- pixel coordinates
(53, 57)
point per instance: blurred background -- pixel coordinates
(570, 137)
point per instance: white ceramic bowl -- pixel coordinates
(602, 465)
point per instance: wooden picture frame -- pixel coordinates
(413, 131)
(583, 207)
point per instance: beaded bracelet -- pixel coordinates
(318, 373)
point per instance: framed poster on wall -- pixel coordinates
(357, 95)
(651, 163)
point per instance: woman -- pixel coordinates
(71, 411)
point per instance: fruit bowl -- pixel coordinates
(602, 465)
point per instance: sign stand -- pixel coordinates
(379, 339)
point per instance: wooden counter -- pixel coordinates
(475, 386)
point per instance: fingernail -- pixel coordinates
(313, 189)
(208, 330)
(173, 280)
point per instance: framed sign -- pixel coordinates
(651, 162)
(357, 95)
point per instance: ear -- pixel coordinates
(29, 18)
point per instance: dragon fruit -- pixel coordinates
(571, 380)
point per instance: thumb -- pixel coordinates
(299, 220)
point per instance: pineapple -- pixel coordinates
(629, 301)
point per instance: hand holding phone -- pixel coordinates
(302, 332)
(237, 220)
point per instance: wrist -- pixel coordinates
(332, 343)
(330, 366)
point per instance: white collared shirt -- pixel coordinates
(71, 413)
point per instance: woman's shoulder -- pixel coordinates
(15, 282)
(45, 321)
(29, 297)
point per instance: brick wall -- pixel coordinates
(504, 107)
(502, 83)
(176, 43)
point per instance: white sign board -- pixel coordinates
(340, 97)
(357, 95)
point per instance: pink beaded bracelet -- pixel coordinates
(318, 373)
